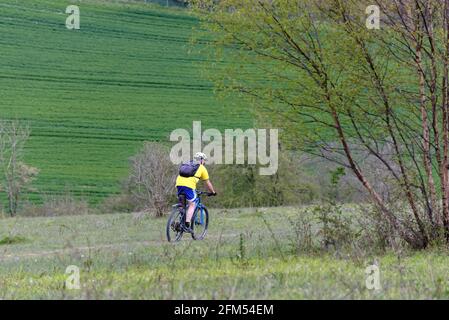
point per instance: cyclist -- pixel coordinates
(187, 186)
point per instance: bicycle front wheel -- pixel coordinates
(200, 223)
(174, 228)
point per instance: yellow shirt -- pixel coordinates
(190, 182)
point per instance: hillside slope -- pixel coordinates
(93, 95)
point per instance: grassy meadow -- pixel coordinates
(248, 254)
(92, 96)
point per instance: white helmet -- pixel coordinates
(200, 156)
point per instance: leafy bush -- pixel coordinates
(242, 186)
(12, 240)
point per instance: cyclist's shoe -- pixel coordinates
(186, 228)
(176, 226)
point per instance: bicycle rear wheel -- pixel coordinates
(174, 227)
(200, 223)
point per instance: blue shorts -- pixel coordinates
(188, 192)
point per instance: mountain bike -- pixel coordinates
(199, 223)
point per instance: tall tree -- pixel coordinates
(343, 91)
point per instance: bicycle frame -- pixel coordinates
(177, 219)
(199, 206)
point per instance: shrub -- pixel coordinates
(242, 186)
(152, 179)
(12, 240)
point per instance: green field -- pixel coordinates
(122, 256)
(93, 95)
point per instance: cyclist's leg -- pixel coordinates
(190, 195)
(190, 210)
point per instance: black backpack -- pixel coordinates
(188, 169)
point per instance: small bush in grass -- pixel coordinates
(12, 240)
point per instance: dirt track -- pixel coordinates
(4, 256)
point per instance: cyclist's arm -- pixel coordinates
(209, 186)
(205, 177)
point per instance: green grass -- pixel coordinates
(92, 96)
(122, 256)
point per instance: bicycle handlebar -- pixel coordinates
(209, 194)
